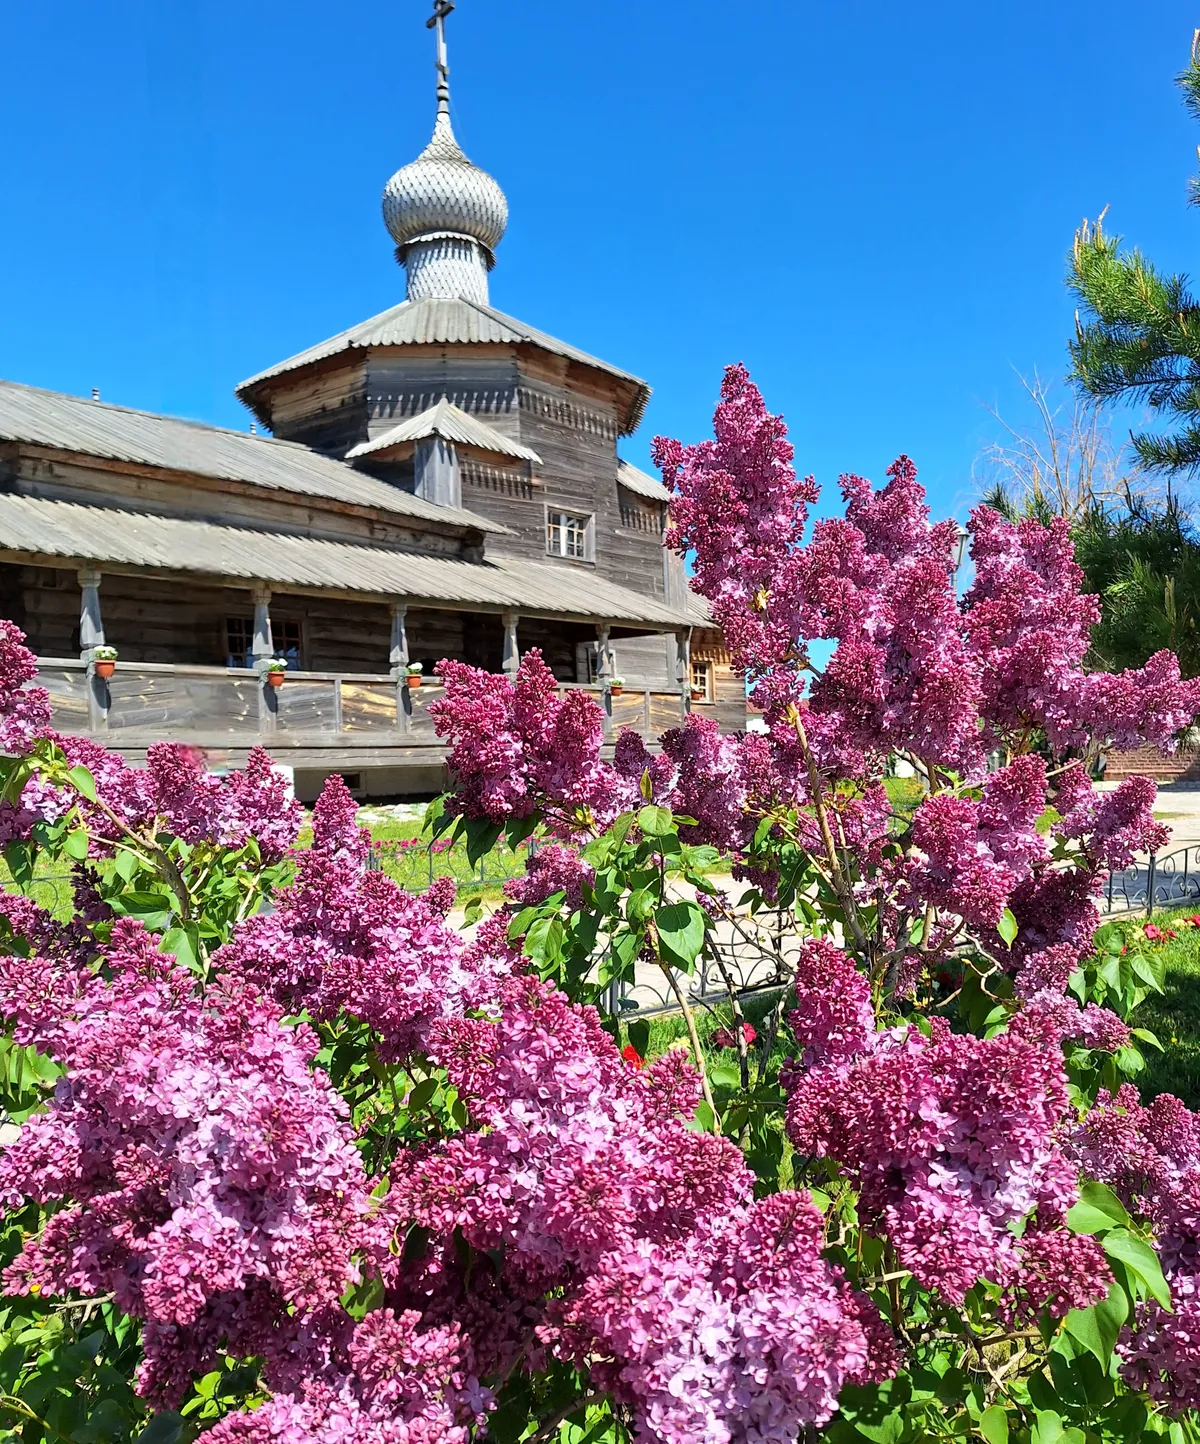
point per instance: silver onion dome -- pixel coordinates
(442, 194)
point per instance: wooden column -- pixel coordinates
(604, 670)
(262, 649)
(398, 657)
(91, 636)
(512, 657)
(683, 670)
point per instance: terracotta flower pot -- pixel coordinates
(414, 679)
(105, 669)
(616, 691)
(275, 679)
(697, 695)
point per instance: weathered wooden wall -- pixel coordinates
(567, 413)
(326, 408)
(156, 621)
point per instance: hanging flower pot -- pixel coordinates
(413, 674)
(275, 672)
(616, 686)
(104, 661)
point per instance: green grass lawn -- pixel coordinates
(1174, 1017)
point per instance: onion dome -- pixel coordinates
(441, 194)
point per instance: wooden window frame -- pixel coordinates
(554, 516)
(705, 669)
(279, 627)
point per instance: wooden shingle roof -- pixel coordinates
(59, 422)
(48, 533)
(446, 321)
(448, 421)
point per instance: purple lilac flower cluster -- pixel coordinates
(1151, 1156)
(174, 793)
(952, 1140)
(209, 1177)
(913, 673)
(622, 1235)
(343, 939)
(518, 747)
(24, 710)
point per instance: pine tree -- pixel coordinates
(1138, 337)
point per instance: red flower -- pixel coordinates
(725, 1038)
(632, 1056)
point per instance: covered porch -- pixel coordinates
(197, 635)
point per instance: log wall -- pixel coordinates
(149, 620)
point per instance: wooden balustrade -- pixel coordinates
(221, 707)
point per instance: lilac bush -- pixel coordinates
(292, 1154)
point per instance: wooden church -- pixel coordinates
(441, 480)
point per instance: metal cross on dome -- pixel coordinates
(441, 8)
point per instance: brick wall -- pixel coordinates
(1150, 762)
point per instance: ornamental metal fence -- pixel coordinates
(1166, 882)
(750, 957)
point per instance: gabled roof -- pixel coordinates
(123, 539)
(435, 320)
(446, 420)
(60, 422)
(637, 481)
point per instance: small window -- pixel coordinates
(568, 535)
(239, 638)
(702, 681)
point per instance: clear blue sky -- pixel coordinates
(868, 203)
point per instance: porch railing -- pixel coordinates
(145, 702)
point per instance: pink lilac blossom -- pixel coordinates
(1112, 826)
(24, 710)
(1090, 1027)
(912, 671)
(833, 1021)
(1150, 1154)
(403, 1385)
(1057, 1271)
(551, 869)
(344, 939)
(620, 1234)
(517, 747)
(744, 1335)
(901, 677)
(970, 855)
(951, 1139)
(173, 793)
(1030, 626)
(196, 1154)
(738, 505)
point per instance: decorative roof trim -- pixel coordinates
(444, 419)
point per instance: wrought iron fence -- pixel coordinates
(1170, 881)
(751, 968)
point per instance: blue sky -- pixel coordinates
(869, 204)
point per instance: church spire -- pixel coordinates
(446, 215)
